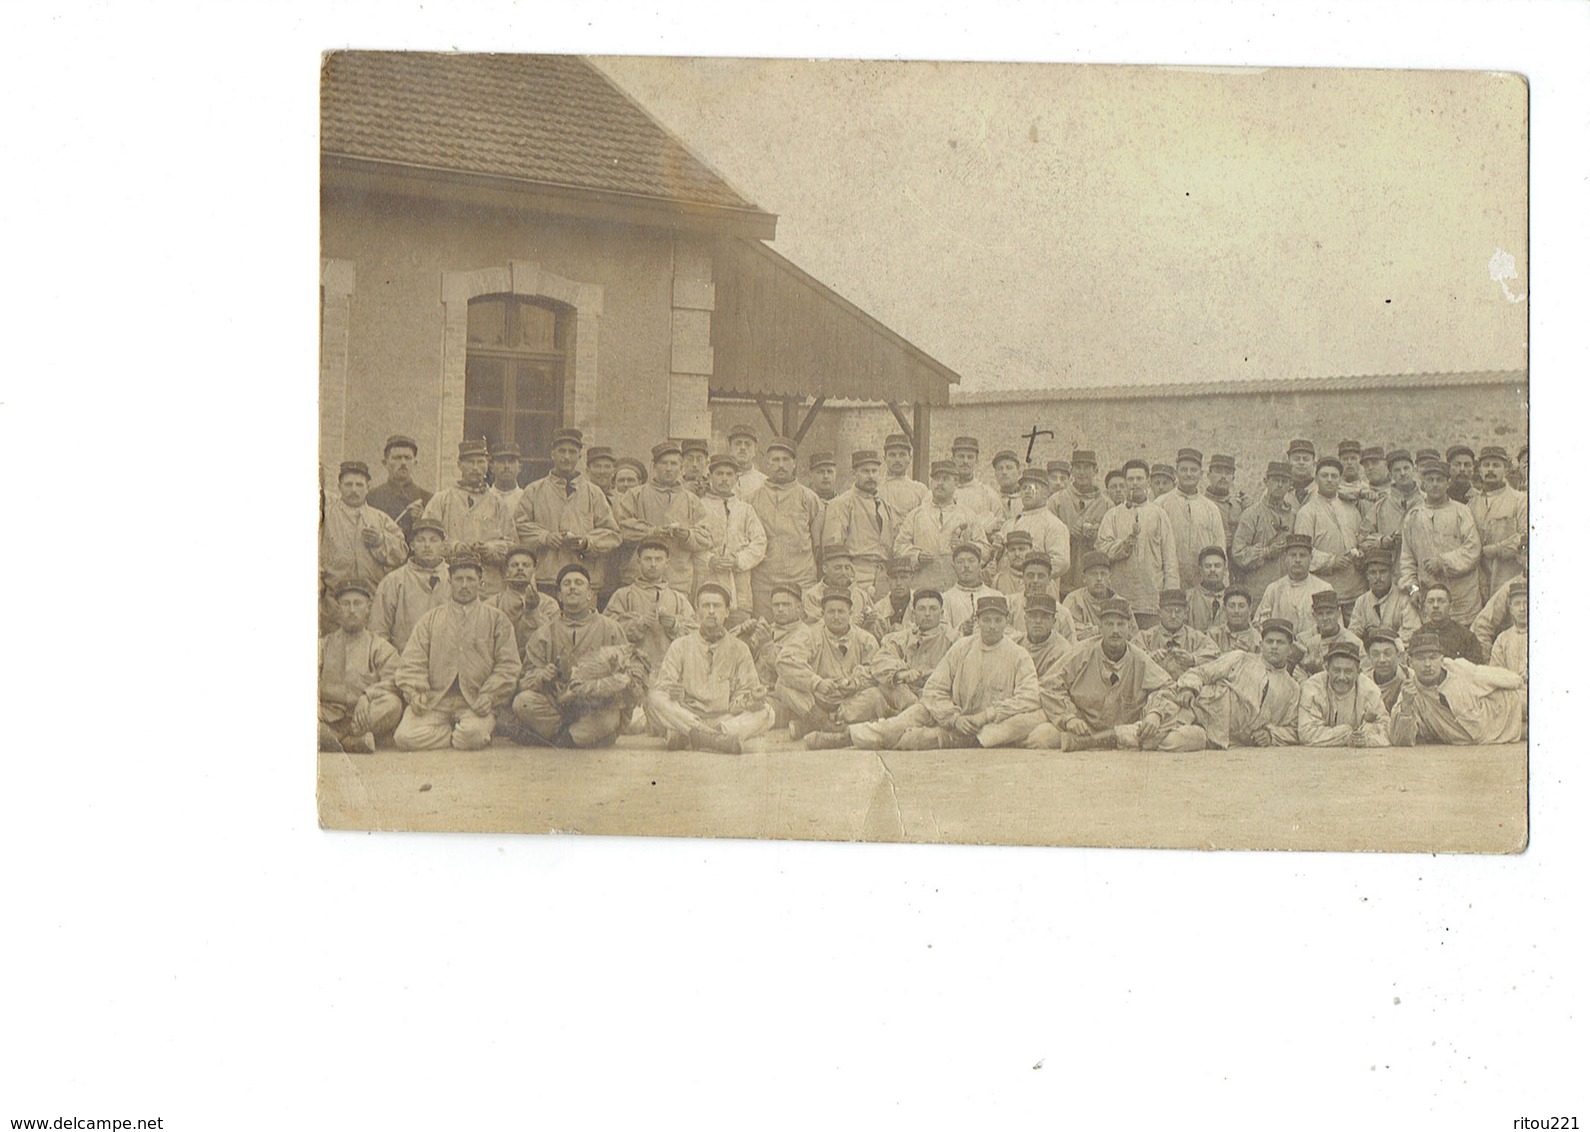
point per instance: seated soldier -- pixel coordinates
(1450, 700)
(1511, 650)
(1037, 579)
(1236, 630)
(1105, 693)
(1206, 600)
(1004, 568)
(1083, 604)
(413, 589)
(1494, 618)
(1327, 631)
(1040, 634)
(839, 573)
(1173, 644)
(581, 676)
(1341, 705)
(960, 600)
(1385, 664)
(358, 677)
(707, 694)
(767, 639)
(1241, 699)
(906, 657)
(652, 613)
(1290, 596)
(892, 612)
(984, 693)
(519, 598)
(824, 678)
(1383, 605)
(1456, 640)
(459, 667)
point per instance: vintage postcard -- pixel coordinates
(1021, 454)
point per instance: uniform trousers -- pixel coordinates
(336, 721)
(915, 729)
(670, 715)
(588, 725)
(451, 723)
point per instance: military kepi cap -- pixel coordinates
(1300, 445)
(965, 443)
(665, 448)
(1116, 605)
(1035, 476)
(1326, 599)
(473, 448)
(427, 523)
(1493, 452)
(942, 468)
(1084, 456)
(864, 456)
(1298, 542)
(694, 444)
(350, 585)
(1044, 603)
(1278, 624)
(896, 440)
(1348, 649)
(993, 603)
(1094, 560)
(506, 452)
(598, 452)
(1192, 454)
(354, 467)
(822, 460)
(1278, 468)
(742, 430)
(398, 440)
(1172, 597)
(1424, 641)
(782, 443)
(722, 459)
(1229, 463)
(568, 436)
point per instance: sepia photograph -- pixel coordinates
(988, 453)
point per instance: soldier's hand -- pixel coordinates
(723, 563)
(1078, 727)
(1185, 697)
(1261, 738)
(361, 715)
(413, 510)
(1148, 732)
(369, 536)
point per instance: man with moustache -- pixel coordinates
(1383, 606)
(839, 573)
(1004, 572)
(1222, 470)
(1332, 525)
(742, 448)
(1173, 644)
(1206, 600)
(1291, 597)
(557, 704)
(1049, 534)
(928, 532)
(358, 542)
(358, 678)
(1460, 458)
(1240, 699)
(1007, 477)
(413, 589)
(1258, 546)
(506, 460)
(825, 679)
(1105, 693)
(863, 523)
(768, 637)
(792, 520)
(565, 518)
(1376, 476)
(458, 669)
(1341, 705)
(971, 493)
(400, 497)
(984, 693)
(1441, 543)
(907, 657)
(1085, 602)
(479, 521)
(1141, 545)
(1452, 701)
(1501, 516)
(695, 474)
(600, 468)
(898, 489)
(1194, 518)
(738, 541)
(663, 509)
(519, 599)
(1081, 506)
(707, 694)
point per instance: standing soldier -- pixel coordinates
(1007, 477)
(1194, 518)
(792, 519)
(664, 509)
(1081, 507)
(971, 493)
(928, 533)
(1049, 534)
(1501, 515)
(400, 497)
(1138, 539)
(1382, 605)
(1161, 481)
(694, 476)
(520, 600)
(1222, 470)
(358, 542)
(738, 541)
(1115, 487)
(742, 447)
(413, 589)
(1059, 472)
(1005, 573)
(506, 460)
(1391, 511)
(1291, 596)
(1206, 600)
(564, 518)
(459, 668)
(1460, 457)
(600, 466)
(478, 520)
(1300, 456)
(1332, 524)
(863, 523)
(1257, 548)
(1440, 543)
(898, 489)
(823, 470)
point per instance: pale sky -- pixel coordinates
(1041, 225)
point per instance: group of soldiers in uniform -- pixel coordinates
(1366, 598)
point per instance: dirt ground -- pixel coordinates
(1407, 799)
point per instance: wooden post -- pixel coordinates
(921, 456)
(790, 406)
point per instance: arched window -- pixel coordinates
(514, 375)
